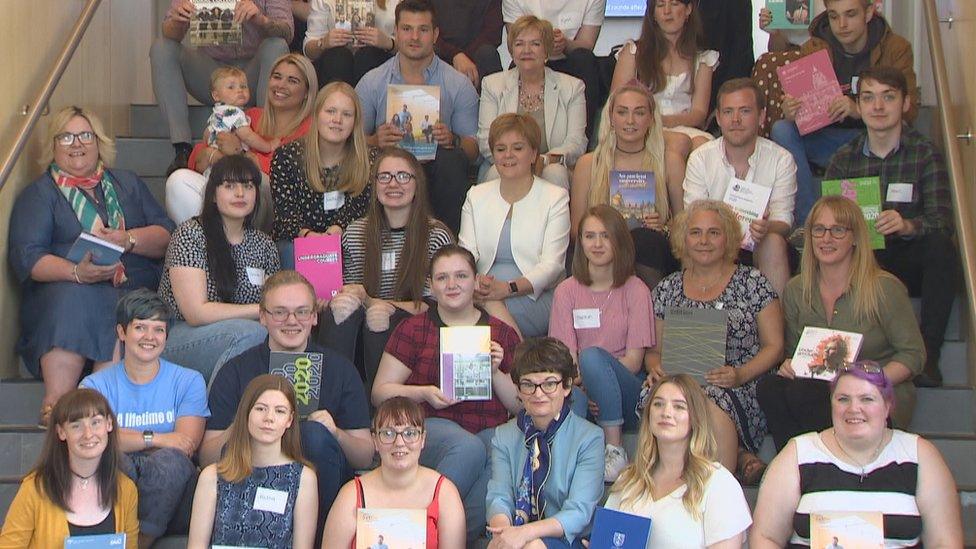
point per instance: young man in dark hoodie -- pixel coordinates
(856, 38)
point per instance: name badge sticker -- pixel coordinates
(255, 275)
(333, 200)
(569, 21)
(273, 501)
(389, 261)
(586, 318)
(900, 192)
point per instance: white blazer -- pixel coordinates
(540, 230)
(565, 107)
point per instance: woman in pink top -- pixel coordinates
(603, 314)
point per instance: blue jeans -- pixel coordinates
(206, 348)
(286, 254)
(462, 457)
(611, 386)
(161, 476)
(321, 448)
(561, 543)
(817, 147)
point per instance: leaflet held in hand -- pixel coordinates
(790, 14)
(812, 80)
(694, 341)
(398, 528)
(98, 541)
(213, 24)
(866, 192)
(304, 371)
(748, 201)
(847, 530)
(104, 253)
(633, 193)
(619, 530)
(466, 362)
(319, 259)
(414, 110)
(821, 352)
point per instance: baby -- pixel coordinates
(228, 87)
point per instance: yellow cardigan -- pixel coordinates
(33, 521)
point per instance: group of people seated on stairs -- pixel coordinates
(180, 428)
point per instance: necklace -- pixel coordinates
(705, 287)
(530, 102)
(85, 481)
(874, 455)
(640, 150)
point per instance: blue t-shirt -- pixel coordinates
(175, 392)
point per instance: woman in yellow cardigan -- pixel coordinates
(76, 489)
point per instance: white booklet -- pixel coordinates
(466, 362)
(847, 530)
(748, 201)
(821, 352)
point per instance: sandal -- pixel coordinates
(45, 417)
(749, 468)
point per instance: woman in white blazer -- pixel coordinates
(517, 227)
(554, 99)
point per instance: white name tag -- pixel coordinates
(269, 500)
(255, 275)
(389, 261)
(333, 200)
(900, 192)
(569, 21)
(586, 318)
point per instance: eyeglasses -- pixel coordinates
(389, 435)
(401, 177)
(836, 231)
(548, 386)
(281, 315)
(867, 367)
(67, 139)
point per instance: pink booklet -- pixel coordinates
(319, 259)
(813, 81)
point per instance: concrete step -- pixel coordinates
(146, 120)
(20, 401)
(146, 156)
(947, 410)
(953, 363)
(157, 186)
(954, 330)
(960, 456)
(19, 447)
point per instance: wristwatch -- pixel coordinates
(147, 437)
(513, 287)
(132, 241)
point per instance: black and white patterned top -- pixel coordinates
(298, 206)
(354, 254)
(237, 522)
(256, 258)
(746, 295)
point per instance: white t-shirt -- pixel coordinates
(566, 15)
(725, 513)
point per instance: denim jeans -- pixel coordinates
(817, 148)
(320, 447)
(611, 386)
(206, 348)
(161, 476)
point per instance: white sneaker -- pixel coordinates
(615, 460)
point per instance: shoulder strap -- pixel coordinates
(360, 496)
(437, 487)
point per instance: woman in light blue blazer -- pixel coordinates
(517, 227)
(554, 99)
(546, 463)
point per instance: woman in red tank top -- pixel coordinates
(400, 482)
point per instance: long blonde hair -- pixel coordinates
(652, 160)
(636, 483)
(354, 167)
(266, 127)
(865, 275)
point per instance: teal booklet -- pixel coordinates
(616, 529)
(866, 192)
(790, 14)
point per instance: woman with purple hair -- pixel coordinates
(859, 464)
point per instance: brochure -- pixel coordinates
(104, 253)
(821, 352)
(748, 201)
(812, 80)
(619, 530)
(632, 193)
(304, 371)
(866, 192)
(847, 530)
(466, 362)
(694, 341)
(319, 259)
(393, 528)
(99, 541)
(213, 24)
(790, 14)
(415, 110)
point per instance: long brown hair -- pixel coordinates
(354, 168)
(620, 241)
(52, 474)
(235, 466)
(411, 270)
(266, 127)
(636, 482)
(652, 47)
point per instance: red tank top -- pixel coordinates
(433, 511)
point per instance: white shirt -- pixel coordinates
(725, 514)
(566, 15)
(709, 172)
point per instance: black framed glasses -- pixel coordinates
(401, 177)
(548, 386)
(836, 231)
(67, 139)
(280, 315)
(389, 435)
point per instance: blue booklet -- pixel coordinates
(101, 541)
(632, 193)
(616, 529)
(104, 253)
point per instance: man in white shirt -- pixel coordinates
(741, 155)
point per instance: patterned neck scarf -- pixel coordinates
(529, 505)
(73, 188)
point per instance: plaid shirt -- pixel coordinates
(416, 342)
(916, 162)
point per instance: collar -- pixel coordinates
(866, 146)
(429, 72)
(753, 158)
(310, 346)
(436, 318)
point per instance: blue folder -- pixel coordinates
(619, 530)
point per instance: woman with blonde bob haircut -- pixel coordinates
(675, 479)
(706, 237)
(841, 275)
(263, 454)
(320, 183)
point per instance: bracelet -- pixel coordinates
(74, 271)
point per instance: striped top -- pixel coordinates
(354, 255)
(889, 483)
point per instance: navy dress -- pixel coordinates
(237, 523)
(76, 317)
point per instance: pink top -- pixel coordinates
(626, 319)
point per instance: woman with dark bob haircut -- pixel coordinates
(76, 488)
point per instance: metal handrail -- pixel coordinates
(964, 227)
(44, 95)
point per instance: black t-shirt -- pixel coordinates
(341, 392)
